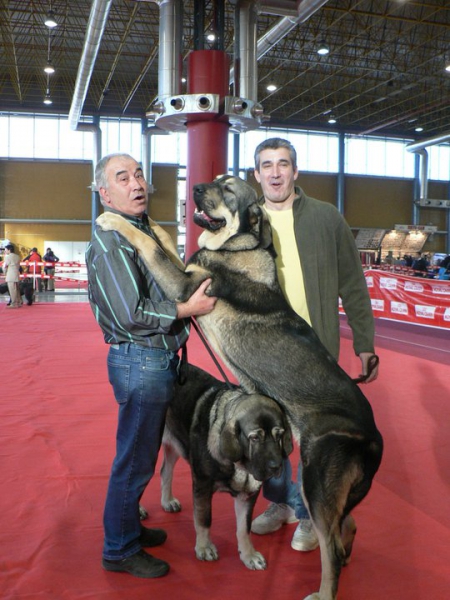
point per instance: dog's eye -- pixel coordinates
(278, 434)
(253, 438)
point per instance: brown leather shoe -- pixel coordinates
(152, 537)
(140, 564)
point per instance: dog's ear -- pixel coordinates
(287, 445)
(260, 225)
(229, 445)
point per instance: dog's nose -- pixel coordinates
(199, 188)
(274, 465)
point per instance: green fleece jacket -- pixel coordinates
(332, 269)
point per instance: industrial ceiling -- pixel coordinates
(384, 73)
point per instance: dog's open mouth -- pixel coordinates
(206, 222)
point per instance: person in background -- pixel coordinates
(420, 265)
(444, 268)
(317, 263)
(11, 268)
(34, 270)
(50, 257)
(144, 330)
(408, 260)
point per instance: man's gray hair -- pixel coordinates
(274, 144)
(100, 170)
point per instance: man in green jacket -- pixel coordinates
(317, 263)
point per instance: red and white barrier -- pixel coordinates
(410, 299)
(63, 270)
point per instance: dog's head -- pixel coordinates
(228, 207)
(258, 436)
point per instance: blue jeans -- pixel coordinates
(282, 490)
(143, 383)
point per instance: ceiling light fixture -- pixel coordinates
(47, 98)
(211, 36)
(323, 49)
(418, 129)
(50, 21)
(447, 68)
(332, 120)
(49, 68)
(271, 87)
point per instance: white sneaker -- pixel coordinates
(273, 518)
(305, 537)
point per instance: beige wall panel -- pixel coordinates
(435, 243)
(163, 202)
(45, 190)
(322, 187)
(376, 202)
(436, 216)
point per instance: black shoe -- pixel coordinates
(152, 537)
(140, 564)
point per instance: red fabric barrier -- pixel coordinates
(411, 299)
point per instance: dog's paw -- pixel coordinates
(109, 221)
(313, 597)
(173, 505)
(143, 514)
(208, 552)
(254, 561)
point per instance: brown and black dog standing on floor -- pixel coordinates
(272, 351)
(233, 442)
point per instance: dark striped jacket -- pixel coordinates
(126, 301)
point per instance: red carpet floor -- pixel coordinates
(57, 419)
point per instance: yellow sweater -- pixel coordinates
(289, 268)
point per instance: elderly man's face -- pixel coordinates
(127, 188)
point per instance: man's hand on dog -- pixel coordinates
(198, 304)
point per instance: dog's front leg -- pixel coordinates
(177, 284)
(204, 548)
(243, 507)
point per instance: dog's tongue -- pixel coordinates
(204, 216)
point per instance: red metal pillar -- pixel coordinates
(207, 137)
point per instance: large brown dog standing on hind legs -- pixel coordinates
(340, 445)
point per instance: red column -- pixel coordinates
(207, 138)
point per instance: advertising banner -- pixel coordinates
(411, 299)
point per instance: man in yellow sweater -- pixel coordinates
(317, 263)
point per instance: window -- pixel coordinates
(439, 162)
(121, 135)
(46, 138)
(49, 137)
(74, 145)
(381, 157)
(21, 137)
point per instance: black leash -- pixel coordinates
(373, 362)
(183, 368)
